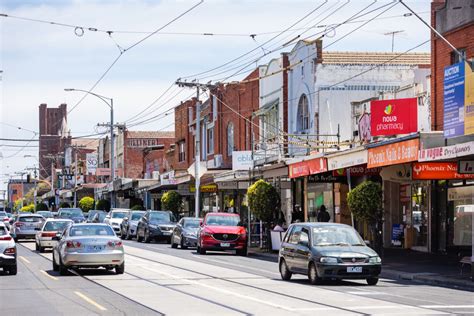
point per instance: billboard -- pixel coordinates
(392, 117)
(458, 100)
(91, 163)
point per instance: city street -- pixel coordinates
(162, 280)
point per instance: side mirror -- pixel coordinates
(367, 242)
(58, 236)
(201, 223)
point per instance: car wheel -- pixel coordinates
(146, 238)
(55, 265)
(128, 236)
(201, 251)
(173, 244)
(284, 271)
(120, 269)
(183, 246)
(12, 270)
(15, 239)
(139, 239)
(36, 246)
(122, 235)
(62, 269)
(41, 249)
(372, 281)
(313, 274)
(242, 252)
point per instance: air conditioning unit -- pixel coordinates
(155, 175)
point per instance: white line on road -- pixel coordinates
(48, 275)
(24, 259)
(90, 301)
(447, 306)
(365, 293)
(235, 265)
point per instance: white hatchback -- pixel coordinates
(45, 235)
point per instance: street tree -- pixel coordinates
(86, 203)
(30, 208)
(172, 201)
(41, 207)
(365, 203)
(103, 205)
(64, 204)
(138, 207)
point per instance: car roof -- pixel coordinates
(151, 211)
(120, 210)
(89, 224)
(58, 220)
(319, 224)
(222, 214)
(190, 217)
(29, 214)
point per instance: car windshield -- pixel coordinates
(136, 216)
(55, 226)
(160, 217)
(91, 230)
(70, 213)
(3, 214)
(336, 236)
(191, 223)
(30, 219)
(119, 214)
(91, 214)
(222, 220)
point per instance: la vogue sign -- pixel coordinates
(392, 117)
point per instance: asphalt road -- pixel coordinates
(159, 279)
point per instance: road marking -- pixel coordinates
(366, 293)
(90, 301)
(447, 306)
(236, 265)
(24, 259)
(48, 275)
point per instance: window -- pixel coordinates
(210, 140)
(455, 58)
(303, 114)
(230, 139)
(181, 152)
(295, 235)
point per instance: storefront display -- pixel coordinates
(461, 206)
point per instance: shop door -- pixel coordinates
(420, 215)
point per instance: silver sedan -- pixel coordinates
(88, 246)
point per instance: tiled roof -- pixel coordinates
(372, 58)
(85, 143)
(150, 134)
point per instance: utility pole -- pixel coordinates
(53, 159)
(36, 184)
(197, 160)
(393, 36)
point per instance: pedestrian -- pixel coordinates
(323, 215)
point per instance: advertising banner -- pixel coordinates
(437, 171)
(392, 154)
(91, 163)
(306, 168)
(242, 160)
(392, 117)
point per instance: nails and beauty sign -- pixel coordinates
(392, 117)
(393, 154)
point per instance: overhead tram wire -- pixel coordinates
(129, 48)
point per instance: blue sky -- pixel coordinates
(40, 60)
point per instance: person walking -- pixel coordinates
(323, 215)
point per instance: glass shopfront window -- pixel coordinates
(461, 210)
(319, 194)
(420, 213)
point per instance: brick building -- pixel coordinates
(454, 19)
(54, 136)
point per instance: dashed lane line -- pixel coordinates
(48, 275)
(90, 301)
(24, 259)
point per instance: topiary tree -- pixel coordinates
(64, 204)
(18, 204)
(138, 207)
(86, 203)
(103, 205)
(28, 208)
(365, 202)
(41, 207)
(171, 201)
(264, 201)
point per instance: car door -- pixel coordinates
(302, 251)
(288, 246)
(178, 230)
(142, 224)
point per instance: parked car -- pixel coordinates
(88, 246)
(24, 226)
(128, 228)
(327, 251)
(91, 215)
(7, 251)
(45, 235)
(185, 232)
(5, 218)
(115, 217)
(155, 225)
(74, 214)
(45, 214)
(222, 231)
(99, 217)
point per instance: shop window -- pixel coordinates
(230, 139)
(461, 204)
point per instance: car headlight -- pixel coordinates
(375, 259)
(328, 260)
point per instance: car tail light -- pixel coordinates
(114, 244)
(48, 234)
(5, 237)
(6, 219)
(10, 251)
(73, 244)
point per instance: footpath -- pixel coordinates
(402, 264)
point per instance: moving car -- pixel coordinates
(25, 225)
(45, 214)
(5, 218)
(222, 231)
(327, 251)
(91, 215)
(128, 228)
(7, 251)
(99, 217)
(45, 235)
(88, 246)
(185, 232)
(74, 214)
(115, 217)
(155, 225)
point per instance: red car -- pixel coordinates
(222, 231)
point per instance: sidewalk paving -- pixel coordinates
(402, 264)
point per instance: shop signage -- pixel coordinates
(91, 163)
(397, 234)
(242, 160)
(392, 154)
(447, 152)
(458, 100)
(392, 117)
(308, 167)
(357, 171)
(167, 178)
(326, 177)
(437, 171)
(466, 166)
(227, 185)
(207, 188)
(106, 171)
(142, 142)
(347, 160)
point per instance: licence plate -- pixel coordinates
(166, 233)
(47, 238)
(354, 269)
(94, 248)
(225, 244)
